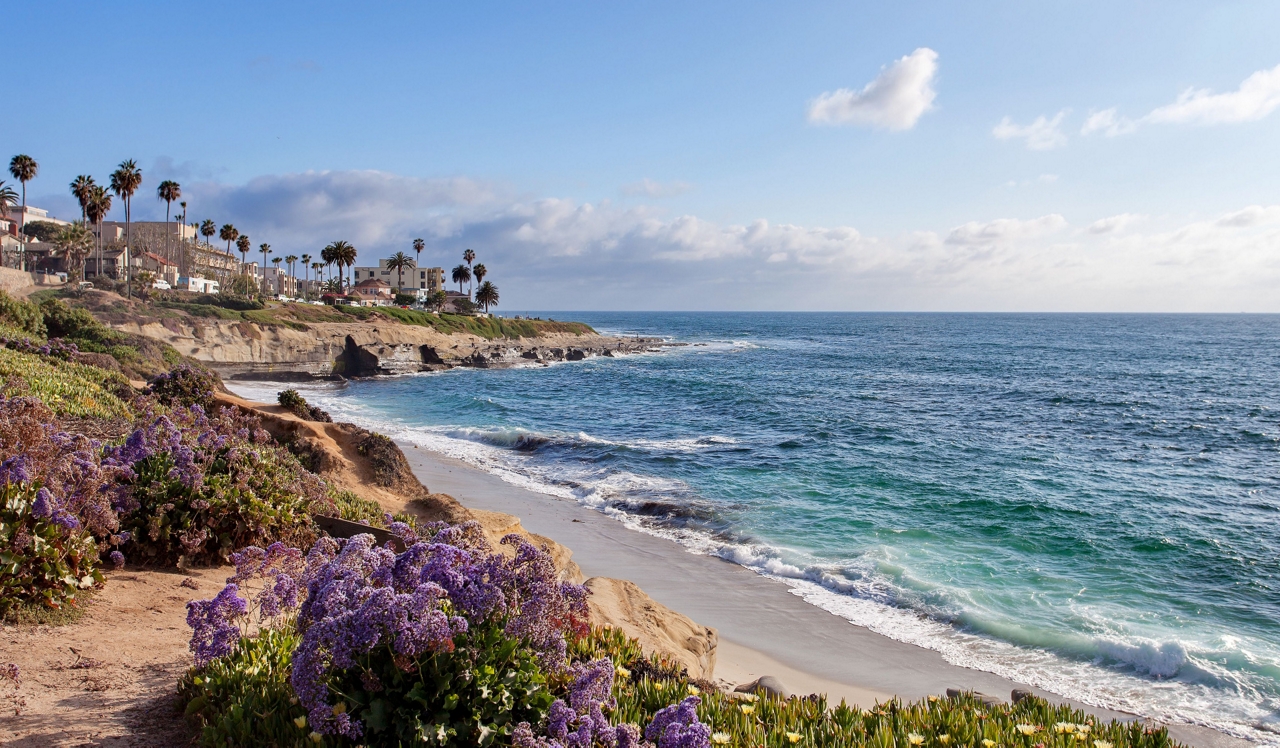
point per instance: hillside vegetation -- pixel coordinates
(175, 306)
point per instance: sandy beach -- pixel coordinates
(764, 628)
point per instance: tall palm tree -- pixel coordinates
(468, 257)
(81, 187)
(306, 264)
(208, 230)
(461, 274)
(97, 208)
(343, 254)
(168, 191)
(315, 267)
(480, 272)
(181, 242)
(487, 295)
(290, 259)
(264, 248)
(242, 244)
(24, 169)
(228, 234)
(125, 181)
(418, 246)
(399, 262)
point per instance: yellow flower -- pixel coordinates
(622, 672)
(1065, 727)
(340, 708)
(794, 737)
(988, 743)
(933, 698)
(301, 722)
(1101, 744)
(1084, 729)
(719, 738)
(915, 738)
(1029, 729)
(316, 738)
(944, 739)
(694, 690)
(749, 697)
(747, 708)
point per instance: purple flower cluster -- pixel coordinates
(215, 624)
(56, 347)
(581, 722)
(677, 726)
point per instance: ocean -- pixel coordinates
(1087, 503)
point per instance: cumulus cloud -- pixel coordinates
(895, 100)
(1257, 96)
(649, 188)
(1114, 223)
(1004, 230)
(553, 253)
(1108, 123)
(1041, 135)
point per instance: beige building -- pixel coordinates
(412, 279)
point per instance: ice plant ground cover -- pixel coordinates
(451, 643)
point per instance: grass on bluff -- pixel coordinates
(69, 389)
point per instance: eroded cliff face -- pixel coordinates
(244, 350)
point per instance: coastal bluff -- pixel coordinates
(239, 349)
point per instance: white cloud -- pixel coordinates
(1041, 135)
(649, 188)
(1004, 230)
(1257, 96)
(1114, 223)
(552, 253)
(895, 100)
(1108, 123)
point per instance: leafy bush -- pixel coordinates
(385, 458)
(69, 389)
(245, 697)
(355, 509)
(47, 557)
(405, 299)
(201, 486)
(184, 386)
(22, 315)
(298, 405)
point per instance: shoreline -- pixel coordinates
(757, 618)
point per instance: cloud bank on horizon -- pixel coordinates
(546, 250)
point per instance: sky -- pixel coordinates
(985, 156)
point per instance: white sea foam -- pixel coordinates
(860, 596)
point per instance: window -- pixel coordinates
(422, 285)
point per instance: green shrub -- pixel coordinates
(355, 509)
(44, 559)
(68, 388)
(298, 405)
(245, 698)
(22, 315)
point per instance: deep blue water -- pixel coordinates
(1087, 502)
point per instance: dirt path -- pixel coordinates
(109, 679)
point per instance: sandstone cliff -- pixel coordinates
(245, 350)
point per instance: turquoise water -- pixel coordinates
(1088, 503)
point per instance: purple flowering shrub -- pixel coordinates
(55, 347)
(200, 486)
(183, 386)
(55, 517)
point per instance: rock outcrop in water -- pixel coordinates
(244, 350)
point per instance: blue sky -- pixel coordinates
(701, 155)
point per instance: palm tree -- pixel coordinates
(74, 243)
(208, 229)
(24, 169)
(242, 244)
(399, 262)
(264, 248)
(97, 208)
(8, 198)
(168, 191)
(290, 259)
(182, 244)
(468, 257)
(306, 263)
(125, 181)
(81, 187)
(487, 295)
(343, 254)
(461, 274)
(418, 246)
(480, 272)
(229, 234)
